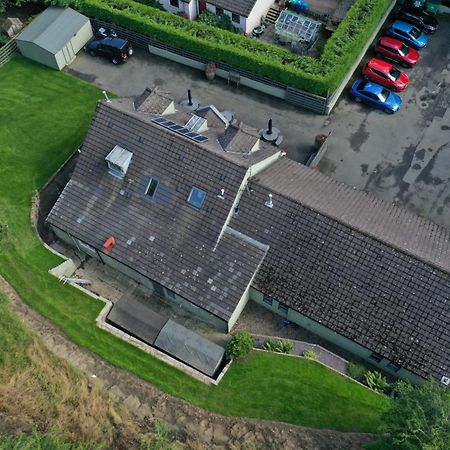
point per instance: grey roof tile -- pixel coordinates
(184, 236)
(241, 7)
(332, 259)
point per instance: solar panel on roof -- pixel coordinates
(179, 129)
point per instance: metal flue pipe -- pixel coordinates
(269, 128)
(189, 97)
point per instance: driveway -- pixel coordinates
(403, 158)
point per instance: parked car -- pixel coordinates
(397, 51)
(375, 95)
(407, 33)
(422, 20)
(385, 74)
(111, 47)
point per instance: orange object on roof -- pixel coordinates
(109, 244)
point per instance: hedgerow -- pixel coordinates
(303, 72)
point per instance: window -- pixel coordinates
(219, 11)
(151, 187)
(196, 197)
(393, 367)
(268, 300)
(235, 18)
(376, 357)
(282, 308)
(174, 3)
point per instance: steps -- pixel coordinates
(272, 15)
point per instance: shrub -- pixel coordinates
(278, 345)
(376, 381)
(310, 354)
(356, 371)
(220, 21)
(239, 345)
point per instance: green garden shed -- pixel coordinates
(55, 37)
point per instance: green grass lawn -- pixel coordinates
(44, 116)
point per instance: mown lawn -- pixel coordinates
(43, 118)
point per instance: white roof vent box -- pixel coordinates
(118, 160)
(445, 380)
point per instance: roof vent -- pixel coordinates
(221, 195)
(445, 380)
(118, 160)
(269, 202)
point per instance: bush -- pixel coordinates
(278, 345)
(303, 72)
(310, 354)
(239, 345)
(220, 21)
(376, 381)
(356, 371)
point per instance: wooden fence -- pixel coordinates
(8, 51)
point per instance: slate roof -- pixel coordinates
(163, 238)
(331, 258)
(153, 101)
(241, 7)
(53, 28)
(238, 139)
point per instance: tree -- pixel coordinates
(419, 417)
(239, 345)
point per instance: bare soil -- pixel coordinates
(196, 428)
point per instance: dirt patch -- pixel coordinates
(201, 429)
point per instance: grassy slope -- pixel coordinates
(43, 118)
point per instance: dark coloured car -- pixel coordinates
(375, 95)
(396, 50)
(422, 20)
(115, 49)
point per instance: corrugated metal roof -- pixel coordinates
(190, 347)
(53, 28)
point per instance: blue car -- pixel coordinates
(375, 95)
(408, 33)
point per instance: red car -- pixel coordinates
(385, 74)
(396, 50)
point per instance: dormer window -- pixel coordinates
(118, 160)
(151, 187)
(196, 197)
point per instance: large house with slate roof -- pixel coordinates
(209, 216)
(244, 14)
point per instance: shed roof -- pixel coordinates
(53, 28)
(190, 347)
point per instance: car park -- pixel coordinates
(115, 49)
(397, 51)
(375, 95)
(407, 33)
(422, 20)
(386, 74)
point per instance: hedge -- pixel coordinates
(303, 72)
